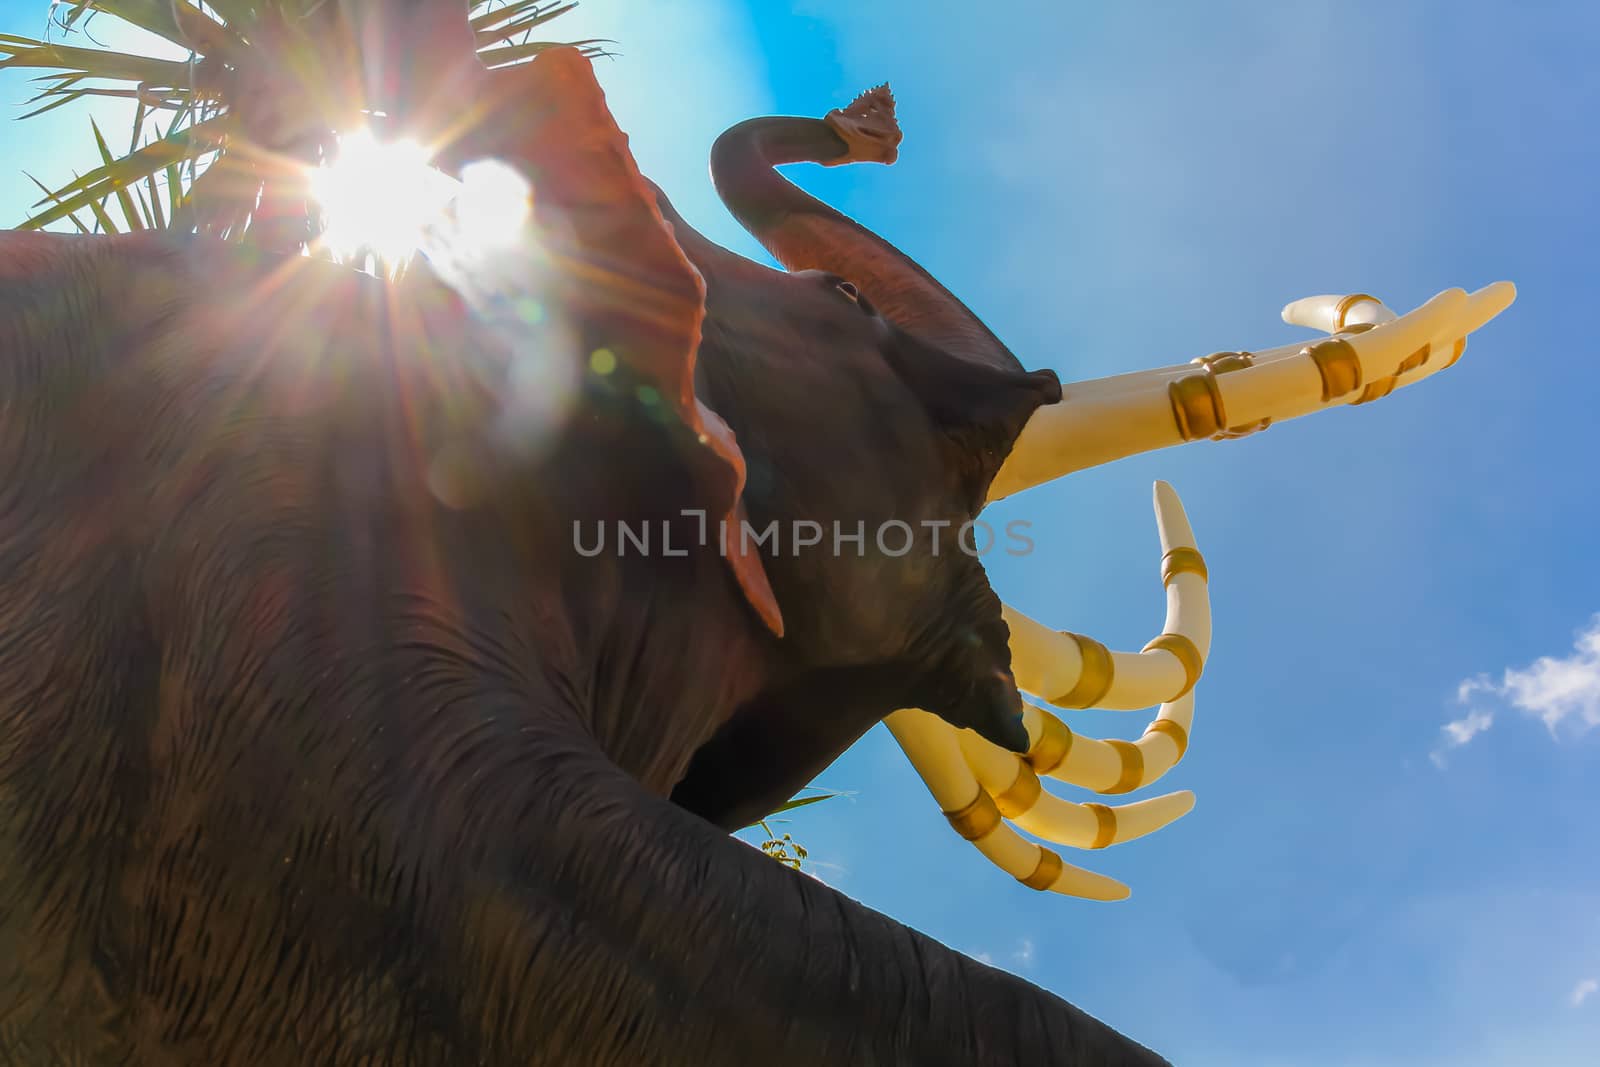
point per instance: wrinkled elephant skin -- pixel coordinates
(319, 741)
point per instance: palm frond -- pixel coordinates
(103, 63)
(73, 218)
(115, 174)
(223, 38)
(504, 57)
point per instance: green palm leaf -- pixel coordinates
(116, 174)
(219, 35)
(176, 20)
(24, 52)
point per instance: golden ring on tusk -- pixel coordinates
(1377, 390)
(1094, 680)
(1055, 741)
(1224, 362)
(1132, 766)
(1384, 386)
(1173, 729)
(1045, 874)
(1197, 406)
(1020, 796)
(1185, 652)
(1106, 825)
(978, 819)
(1343, 307)
(1414, 360)
(1338, 364)
(1182, 561)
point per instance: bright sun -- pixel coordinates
(382, 198)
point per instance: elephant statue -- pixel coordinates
(328, 735)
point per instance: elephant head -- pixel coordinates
(323, 738)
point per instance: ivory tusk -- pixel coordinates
(1073, 671)
(1108, 766)
(934, 750)
(1334, 314)
(1234, 394)
(1022, 799)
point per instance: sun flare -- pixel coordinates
(379, 197)
(382, 198)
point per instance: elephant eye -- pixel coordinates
(856, 297)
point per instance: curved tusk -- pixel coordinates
(1444, 350)
(1073, 671)
(1234, 394)
(1108, 766)
(931, 745)
(1335, 314)
(1023, 800)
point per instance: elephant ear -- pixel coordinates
(623, 274)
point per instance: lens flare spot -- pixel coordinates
(378, 197)
(493, 205)
(602, 361)
(530, 311)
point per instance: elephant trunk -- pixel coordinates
(803, 233)
(705, 951)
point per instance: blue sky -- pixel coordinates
(1395, 855)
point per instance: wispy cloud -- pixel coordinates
(1584, 990)
(1459, 731)
(1020, 958)
(1553, 689)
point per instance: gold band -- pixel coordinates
(1132, 776)
(1182, 561)
(1020, 795)
(1045, 874)
(1105, 825)
(1376, 391)
(1196, 400)
(1338, 364)
(1342, 308)
(1055, 741)
(977, 819)
(1414, 360)
(1197, 406)
(1384, 386)
(1095, 677)
(1233, 433)
(1461, 346)
(1173, 729)
(1224, 362)
(1186, 654)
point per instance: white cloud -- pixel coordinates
(1553, 689)
(1018, 959)
(1459, 731)
(1584, 990)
